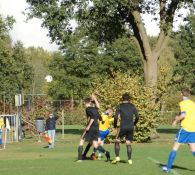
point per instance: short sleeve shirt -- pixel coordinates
(188, 107)
(92, 113)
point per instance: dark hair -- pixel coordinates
(185, 92)
(125, 97)
(87, 100)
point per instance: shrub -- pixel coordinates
(110, 90)
(73, 117)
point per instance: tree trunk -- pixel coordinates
(150, 70)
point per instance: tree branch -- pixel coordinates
(166, 21)
(143, 34)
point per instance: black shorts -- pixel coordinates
(125, 132)
(92, 135)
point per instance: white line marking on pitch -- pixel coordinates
(157, 162)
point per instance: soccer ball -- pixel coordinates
(49, 78)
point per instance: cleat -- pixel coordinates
(93, 156)
(116, 160)
(107, 156)
(165, 169)
(79, 161)
(130, 162)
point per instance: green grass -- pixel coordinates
(30, 158)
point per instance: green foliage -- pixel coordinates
(110, 91)
(165, 75)
(16, 73)
(102, 20)
(39, 59)
(74, 70)
(76, 116)
(184, 52)
(106, 21)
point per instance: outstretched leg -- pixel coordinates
(101, 149)
(172, 156)
(86, 150)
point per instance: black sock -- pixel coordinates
(117, 149)
(80, 149)
(87, 149)
(129, 151)
(101, 149)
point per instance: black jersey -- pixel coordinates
(127, 111)
(92, 113)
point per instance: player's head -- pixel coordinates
(109, 112)
(50, 115)
(87, 102)
(185, 92)
(125, 97)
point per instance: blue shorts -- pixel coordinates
(104, 134)
(184, 136)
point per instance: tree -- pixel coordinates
(82, 60)
(184, 51)
(108, 20)
(39, 59)
(15, 71)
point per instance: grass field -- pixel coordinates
(31, 158)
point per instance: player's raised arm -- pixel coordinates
(94, 98)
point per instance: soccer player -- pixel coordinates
(91, 132)
(104, 126)
(104, 129)
(127, 111)
(186, 133)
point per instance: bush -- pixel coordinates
(74, 117)
(109, 91)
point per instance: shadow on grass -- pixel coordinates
(167, 131)
(70, 131)
(178, 167)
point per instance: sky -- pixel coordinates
(32, 34)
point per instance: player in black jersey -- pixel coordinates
(126, 111)
(91, 132)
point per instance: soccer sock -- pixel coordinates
(87, 148)
(80, 149)
(129, 151)
(101, 149)
(172, 156)
(117, 149)
(193, 153)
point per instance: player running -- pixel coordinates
(186, 133)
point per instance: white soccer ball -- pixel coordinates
(49, 78)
